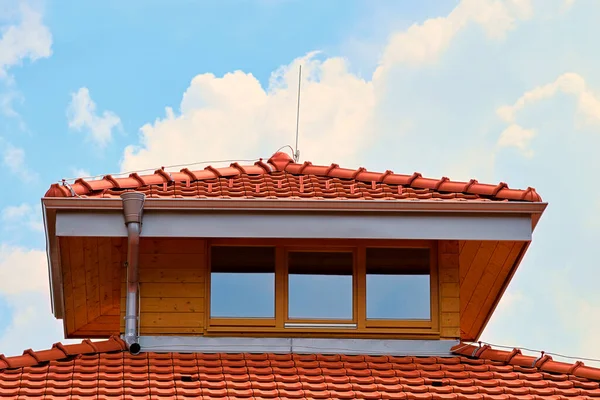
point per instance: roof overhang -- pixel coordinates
(274, 218)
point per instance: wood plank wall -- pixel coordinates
(172, 286)
(173, 283)
(484, 268)
(91, 284)
(448, 272)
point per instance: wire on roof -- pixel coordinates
(342, 349)
(535, 351)
(164, 167)
(289, 147)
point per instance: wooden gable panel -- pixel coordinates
(67, 281)
(91, 285)
(488, 300)
(485, 267)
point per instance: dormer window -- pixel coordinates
(398, 284)
(297, 287)
(320, 285)
(242, 282)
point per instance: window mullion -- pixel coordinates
(360, 287)
(280, 287)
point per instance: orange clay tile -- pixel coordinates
(281, 178)
(104, 370)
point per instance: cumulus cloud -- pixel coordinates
(423, 43)
(22, 270)
(24, 287)
(80, 173)
(569, 83)
(14, 158)
(572, 84)
(519, 137)
(233, 115)
(23, 215)
(83, 117)
(29, 39)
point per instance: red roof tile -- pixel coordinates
(104, 370)
(280, 178)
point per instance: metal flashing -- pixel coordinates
(297, 225)
(199, 344)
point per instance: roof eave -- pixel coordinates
(442, 206)
(51, 204)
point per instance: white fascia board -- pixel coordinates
(393, 347)
(300, 225)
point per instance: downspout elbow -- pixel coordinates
(133, 205)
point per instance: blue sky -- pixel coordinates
(493, 90)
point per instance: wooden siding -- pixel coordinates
(485, 267)
(448, 273)
(172, 274)
(91, 272)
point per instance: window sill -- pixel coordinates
(271, 331)
(382, 323)
(312, 325)
(250, 322)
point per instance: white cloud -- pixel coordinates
(233, 116)
(22, 215)
(588, 109)
(24, 287)
(22, 270)
(568, 4)
(423, 43)
(80, 173)
(519, 137)
(29, 39)
(569, 83)
(14, 158)
(82, 116)
(7, 101)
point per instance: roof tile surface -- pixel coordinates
(281, 178)
(94, 370)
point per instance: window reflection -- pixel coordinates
(320, 285)
(242, 282)
(398, 284)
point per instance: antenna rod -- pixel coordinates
(297, 153)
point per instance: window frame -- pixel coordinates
(358, 248)
(233, 321)
(433, 291)
(323, 249)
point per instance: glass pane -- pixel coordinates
(320, 285)
(398, 284)
(242, 282)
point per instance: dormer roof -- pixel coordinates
(281, 178)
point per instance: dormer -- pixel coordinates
(282, 250)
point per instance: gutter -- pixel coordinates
(209, 204)
(133, 205)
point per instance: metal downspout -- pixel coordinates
(133, 205)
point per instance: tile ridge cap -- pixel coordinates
(280, 162)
